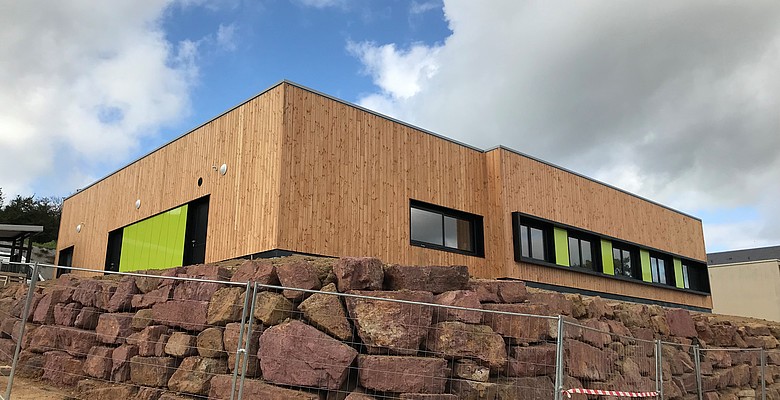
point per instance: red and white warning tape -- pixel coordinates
(609, 393)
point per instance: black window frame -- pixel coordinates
(698, 276)
(475, 223)
(635, 269)
(519, 221)
(595, 251)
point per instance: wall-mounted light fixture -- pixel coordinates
(223, 169)
(78, 227)
(138, 204)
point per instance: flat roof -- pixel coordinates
(10, 232)
(393, 120)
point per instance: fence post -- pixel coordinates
(763, 374)
(659, 371)
(239, 348)
(559, 361)
(25, 314)
(247, 343)
(697, 363)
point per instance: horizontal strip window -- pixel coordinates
(446, 229)
(544, 242)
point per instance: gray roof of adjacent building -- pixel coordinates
(745, 255)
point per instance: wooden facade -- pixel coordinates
(308, 173)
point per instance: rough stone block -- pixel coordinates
(598, 334)
(159, 295)
(142, 319)
(459, 340)
(435, 279)
(531, 361)
(403, 374)
(99, 362)
(680, 323)
(44, 311)
(181, 345)
(326, 312)
(230, 340)
(260, 271)
(358, 273)
(226, 306)
(385, 324)
(88, 318)
(298, 274)
(120, 362)
(194, 375)
(61, 369)
(587, 362)
(44, 338)
(114, 328)
(210, 343)
(471, 390)
(520, 329)
(458, 298)
(195, 291)
(424, 396)
(255, 389)
(272, 308)
(188, 315)
(150, 341)
(297, 354)
(152, 371)
(65, 314)
(95, 390)
(76, 342)
(30, 365)
(122, 298)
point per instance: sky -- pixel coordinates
(676, 101)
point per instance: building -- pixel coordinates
(293, 170)
(746, 282)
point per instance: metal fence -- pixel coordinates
(203, 336)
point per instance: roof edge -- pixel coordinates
(375, 113)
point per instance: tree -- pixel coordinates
(29, 210)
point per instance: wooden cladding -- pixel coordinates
(311, 174)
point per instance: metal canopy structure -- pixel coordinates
(18, 238)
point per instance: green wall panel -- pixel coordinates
(678, 275)
(644, 258)
(607, 263)
(154, 243)
(561, 246)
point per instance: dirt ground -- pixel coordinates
(26, 389)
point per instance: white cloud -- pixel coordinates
(676, 101)
(423, 7)
(399, 73)
(323, 3)
(226, 37)
(81, 84)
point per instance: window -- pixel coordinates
(581, 252)
(446, 229)
(661, 270)
(686, 281)
(532, 238)
(623, 261)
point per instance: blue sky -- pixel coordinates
(674, 101)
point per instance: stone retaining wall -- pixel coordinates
(156, 338)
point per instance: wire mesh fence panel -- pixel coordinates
(679, 367)
(595, 358)
(733, 372)
(133, 335)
